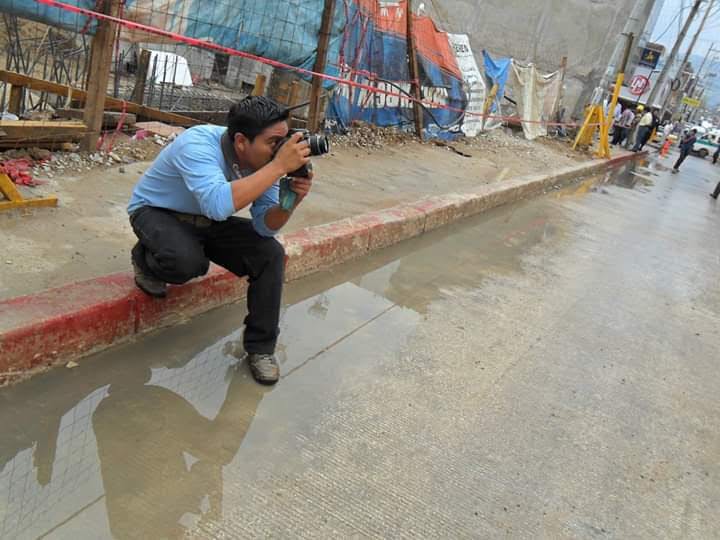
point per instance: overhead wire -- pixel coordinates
(678, 14)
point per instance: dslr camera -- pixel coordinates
(319, 145)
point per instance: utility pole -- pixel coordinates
(693, 114)
(634, 25)
(320, 63)
(686, 60)
(710, 51)
(604, 146)
(698, 75)
(561, 91)
(414, 72)
(682, 10)
(657, 87)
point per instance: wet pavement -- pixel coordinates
(549, 369)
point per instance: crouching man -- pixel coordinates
(182, 213)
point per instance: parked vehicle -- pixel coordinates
(707, 144)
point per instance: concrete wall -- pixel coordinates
(242, 72)
(542, 31)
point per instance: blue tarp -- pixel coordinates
(286, 31)
(282, 30)
(384, 55)
(29, 9)
(496, 72)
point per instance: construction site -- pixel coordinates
(497, 312)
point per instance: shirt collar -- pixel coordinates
(231, 160)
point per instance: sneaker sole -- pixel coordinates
(264, 382)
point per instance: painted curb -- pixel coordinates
(52, 327)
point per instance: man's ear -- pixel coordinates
(241, 143)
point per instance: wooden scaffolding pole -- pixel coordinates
(260, 83)
(320, 64)
(138, 95)
(414, 72)
(99, 75)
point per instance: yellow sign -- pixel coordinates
(691, 102)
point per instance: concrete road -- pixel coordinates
(548, 370)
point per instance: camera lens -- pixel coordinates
(319, 145)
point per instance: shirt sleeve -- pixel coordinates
(197, 163)
(260, 207)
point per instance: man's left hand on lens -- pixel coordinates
(182, 213)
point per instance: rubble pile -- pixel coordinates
(370, 137)
(502, 141)
(498, 142)
(70, 160)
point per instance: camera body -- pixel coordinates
(319, 145)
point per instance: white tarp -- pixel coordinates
(536, 96)
(474, 83)
(168, 67)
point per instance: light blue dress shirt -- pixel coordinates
(190, 175)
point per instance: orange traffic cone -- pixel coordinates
(666, 148)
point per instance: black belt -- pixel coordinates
(193, 219)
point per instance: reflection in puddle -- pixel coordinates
(163, 438)
(39, 490)
(144, 455)
(149, 448)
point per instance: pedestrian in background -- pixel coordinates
(686, 145)
(645, 126)
(715, 194)
(622, 127)
(655, 125)
(617, 113)
(668, 130)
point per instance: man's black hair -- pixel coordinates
(253, 114)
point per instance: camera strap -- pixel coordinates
(231, 159)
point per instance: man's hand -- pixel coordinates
(293, 154)
(276, 217)
(301, 186)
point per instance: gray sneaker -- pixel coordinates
(264, 368)
(146, 282)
